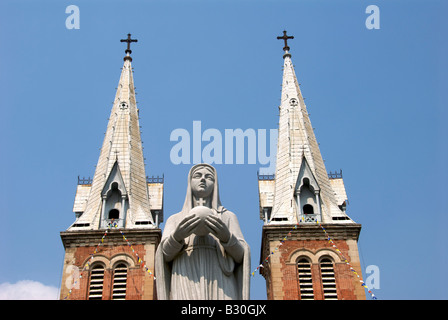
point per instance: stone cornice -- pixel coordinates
(114, 237)
(311, 232)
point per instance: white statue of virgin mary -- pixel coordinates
(202, 254)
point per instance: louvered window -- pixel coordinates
(96, 283)
(328, 279)
(120, 279)
(305, 280)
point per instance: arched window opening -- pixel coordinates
(308, 209)
(113, 204)
(308, 201)
(96, 283)
(119, 284)
(305, 279)
(114, 214)
(328, 279)
(306, 182)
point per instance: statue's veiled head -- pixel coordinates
(202, 185)
(202, 181)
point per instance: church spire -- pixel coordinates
(306, 205)
(302, 187)
(119, 189)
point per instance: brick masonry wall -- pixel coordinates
(281, 274)
(140, 284)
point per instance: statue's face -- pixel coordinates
(202, 182)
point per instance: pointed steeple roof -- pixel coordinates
(297, 143)
(122, 147)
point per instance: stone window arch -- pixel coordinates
(306, 291)
(119, 281)
(326, 266)
(96, 281)
(315, 269)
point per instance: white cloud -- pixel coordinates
(27, 290)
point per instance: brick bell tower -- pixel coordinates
(309, 245)
(110, 248)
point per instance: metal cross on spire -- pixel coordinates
(128, 49)
(285, 38)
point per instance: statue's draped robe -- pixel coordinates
(200, 267)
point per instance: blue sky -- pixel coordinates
(377, 100)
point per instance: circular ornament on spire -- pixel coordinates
(293, 102)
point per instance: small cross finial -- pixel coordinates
(285, 38)
(128, 49)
